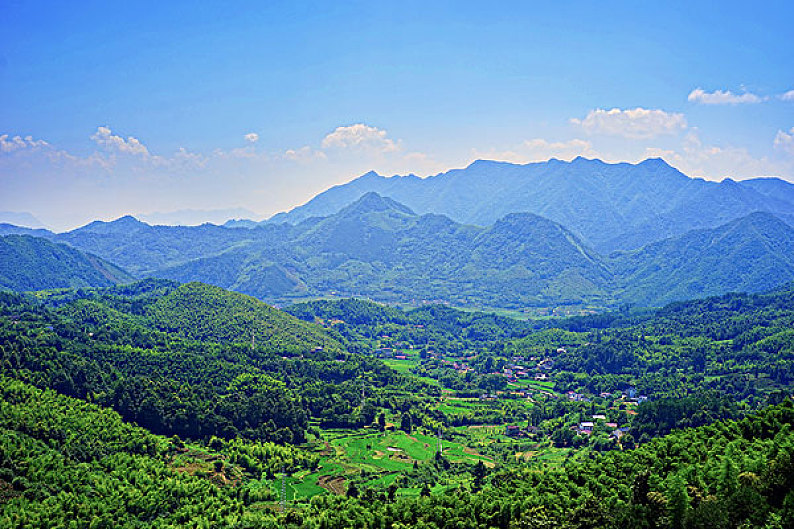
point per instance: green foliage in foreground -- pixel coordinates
(65, 463)
(191, 381)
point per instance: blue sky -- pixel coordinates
(115, 108)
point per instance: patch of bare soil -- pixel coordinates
(335, 484)
(328, 450)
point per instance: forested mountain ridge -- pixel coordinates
(142, 249)
(378, 248)
(182, 360)
(203, 312)
(34, 263)
(610, 206)
(753, 253)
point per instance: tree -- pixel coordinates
(729, 476)
(391, 491)
(627, 442)
(479, 475)
(352, 490)
(382, 421)
(678, 502)
(640, 488)
(406, 423)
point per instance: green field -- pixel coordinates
(405, 366)
(382, 456)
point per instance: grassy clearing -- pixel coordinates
(405, 366)
(533, 385)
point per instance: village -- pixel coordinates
(524, 379)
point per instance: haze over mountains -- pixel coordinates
(378, 248)
(611, 206)
(494, 234)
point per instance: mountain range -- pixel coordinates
(610, 207)
(676, 238)
(380, 249)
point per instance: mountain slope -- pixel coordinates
(380, 249)
(377, 248)
(611, 206)
(33, 263)
(750, 254)
(12, 229)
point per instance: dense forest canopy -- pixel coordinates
(203, 401)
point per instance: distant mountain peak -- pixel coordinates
(127, 219)
(127, 222)
(523, 217)
(488, 163)
(373, 202)
(760, 217)
(655, 162)
(369, 175)
(581, 160)
(20, 218)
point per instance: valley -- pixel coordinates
(394, 265)
(271, 415)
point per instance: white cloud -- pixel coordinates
(186, 158)
(788, 96)
(539, 149)
(785, 141)
(18, 142)
(304, 154)
(360, 136)
(105, 138)
(251, 137)
(695, 158)
(719, 97)
(637, 123)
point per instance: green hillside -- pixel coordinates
(33, 263)
(194, 380)
(207, 313)
(751, 254)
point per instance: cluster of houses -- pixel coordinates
(513, 371)
(630, 397)
(586, 428)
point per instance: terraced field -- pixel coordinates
(381, 455)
